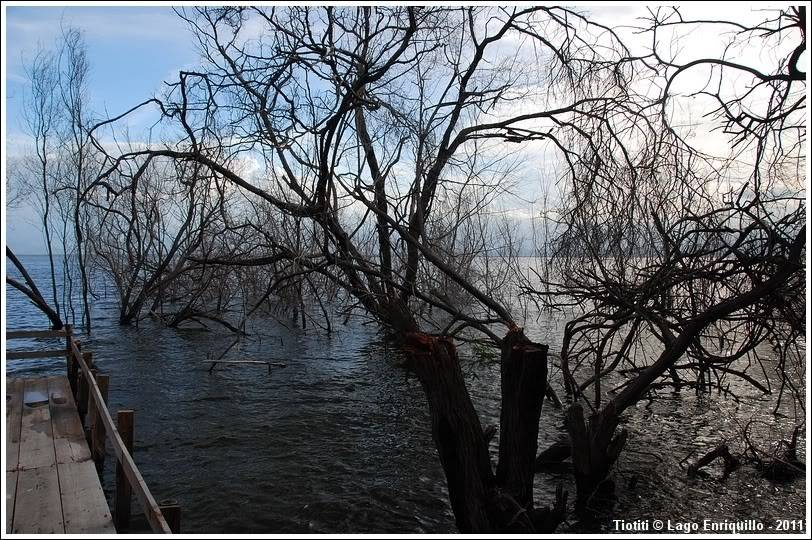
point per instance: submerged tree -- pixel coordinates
(359, 150)
(59, 164)
(683, 265)
(380, 135)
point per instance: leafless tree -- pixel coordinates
(367, 130)
(77, 164)
(40, 117)
(681, 265)
(58, 164)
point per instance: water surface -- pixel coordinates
(339, 440)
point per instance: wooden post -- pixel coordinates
(90, 413)
(171, 511)
(97, 430)
(71, 365)
(84, 391)
(126, 422)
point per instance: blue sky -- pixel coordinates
(131, 51)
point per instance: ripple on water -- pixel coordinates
(339, 441)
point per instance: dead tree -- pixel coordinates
(30, 289)
(367, 124)
(678, 280)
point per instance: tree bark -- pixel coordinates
(595, 448)
(524, 383)
(484, 502)
(456, 430)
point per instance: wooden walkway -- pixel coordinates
(51, 481)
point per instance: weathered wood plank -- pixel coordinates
(36, 437)
(24, 355)
(38, 508)
(24, 334)
(14, 411)
(69, 438)
(84, 507)
(11, 496)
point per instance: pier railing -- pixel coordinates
(90, 394)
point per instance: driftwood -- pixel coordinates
(263, 362)
(550, 394)
(32, 292)
(553, 455)
(722, 451)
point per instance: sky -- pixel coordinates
(131, 51)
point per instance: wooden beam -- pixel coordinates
(142, 493)
(26, 355)
(260, 362)
(71, 365)
(97, 438)
(263, 362)
(83, 392)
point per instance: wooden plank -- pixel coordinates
(142, 493)
(14, 411)
(84, 507)
(24, 355)
(11, 496)
(71, 364)
(24, 334)
(68, 434)
(36, 437)
(38, 507)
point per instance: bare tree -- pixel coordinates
(41, 117)
(681, 265)
(29, 288)
(361, 127)
(77, 159)
(59, 163)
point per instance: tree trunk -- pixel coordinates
(524, 383)
(595, 448)
(456, 431)
(483, 502)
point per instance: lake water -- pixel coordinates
(339, 440)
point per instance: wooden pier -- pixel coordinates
(56, 433)
(51, 481)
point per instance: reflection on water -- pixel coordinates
(339, 440)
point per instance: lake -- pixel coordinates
(339, 440)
